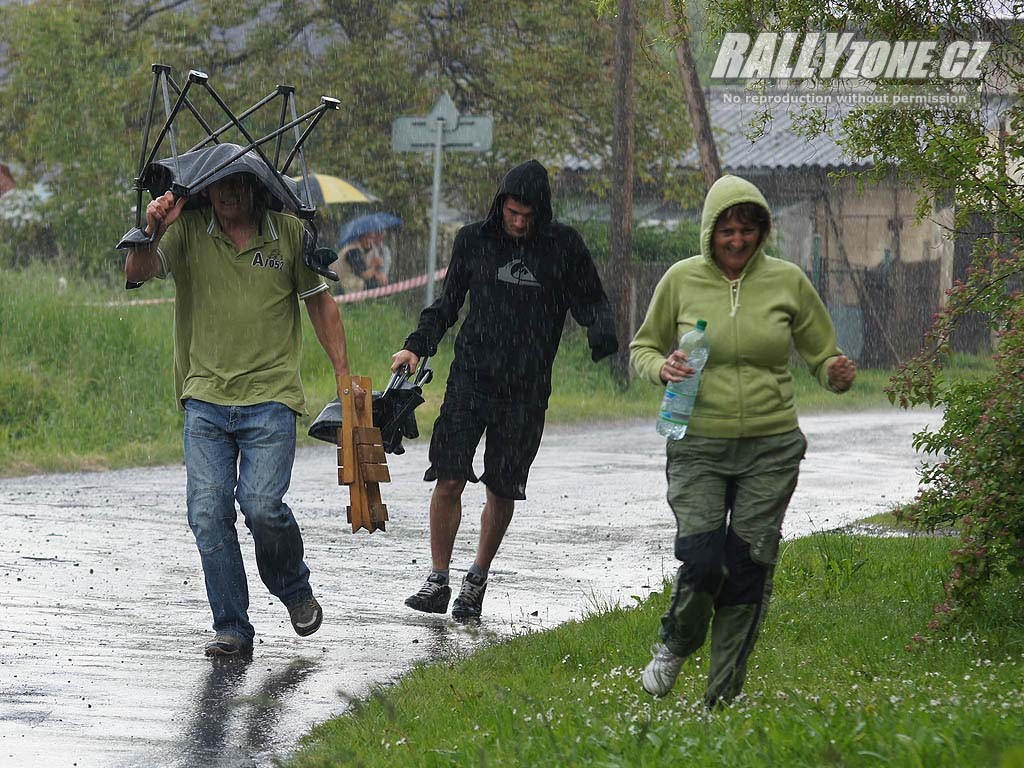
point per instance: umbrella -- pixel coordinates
(363, 225)
(326, 190)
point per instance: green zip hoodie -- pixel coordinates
(746, 389)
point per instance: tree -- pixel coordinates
(976, 158)
(679, 29)
(620, 226)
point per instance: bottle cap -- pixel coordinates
(702, 324)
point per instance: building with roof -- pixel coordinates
(881, 272)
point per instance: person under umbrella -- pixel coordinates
(364, 259)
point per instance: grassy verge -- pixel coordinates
(835, 680)
(88, 386)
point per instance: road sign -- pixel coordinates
(460, 133)
(419, 134)
(444, 128)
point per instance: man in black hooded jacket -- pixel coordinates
(523, 271)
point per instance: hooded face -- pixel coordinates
(733, 242)
(734, 225)
(521, 208)
(517, 218)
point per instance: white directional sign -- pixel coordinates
(459, 133)
(444, 128)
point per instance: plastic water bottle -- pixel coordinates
(677, 405)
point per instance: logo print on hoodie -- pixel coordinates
(517, 273)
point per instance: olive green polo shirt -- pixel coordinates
(237, 329)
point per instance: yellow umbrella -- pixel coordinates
(326, 190)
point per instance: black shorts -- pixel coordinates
(513, 431)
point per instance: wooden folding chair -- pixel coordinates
(362, 463)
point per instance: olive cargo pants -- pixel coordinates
(729, 497)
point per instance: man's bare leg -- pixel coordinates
(494, 521)
(445, 517)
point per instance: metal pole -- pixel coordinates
(435, 205)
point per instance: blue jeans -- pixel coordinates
(244, 453)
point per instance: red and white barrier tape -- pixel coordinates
(347, 298)
(135, 302)
(387, 290)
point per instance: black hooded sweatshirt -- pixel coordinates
(519, 293)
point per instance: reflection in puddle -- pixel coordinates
(226, 726)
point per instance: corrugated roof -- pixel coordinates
(780, 146)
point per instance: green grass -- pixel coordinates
(88, 386)
(836, 680)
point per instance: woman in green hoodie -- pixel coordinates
(731, 477)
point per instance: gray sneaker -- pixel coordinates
(432, 597)
(470, 601)
(660, 675)
(306, 616)
(227, 644)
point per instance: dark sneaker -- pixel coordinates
(306, 616)
(471, 598)
(433, 596)
(226, 644)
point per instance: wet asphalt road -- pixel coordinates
(105, 615)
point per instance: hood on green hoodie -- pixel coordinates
(725, 193)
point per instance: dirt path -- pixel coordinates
(105, 614)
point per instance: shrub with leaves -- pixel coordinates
(978, 484)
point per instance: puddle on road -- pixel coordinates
(105, 612)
